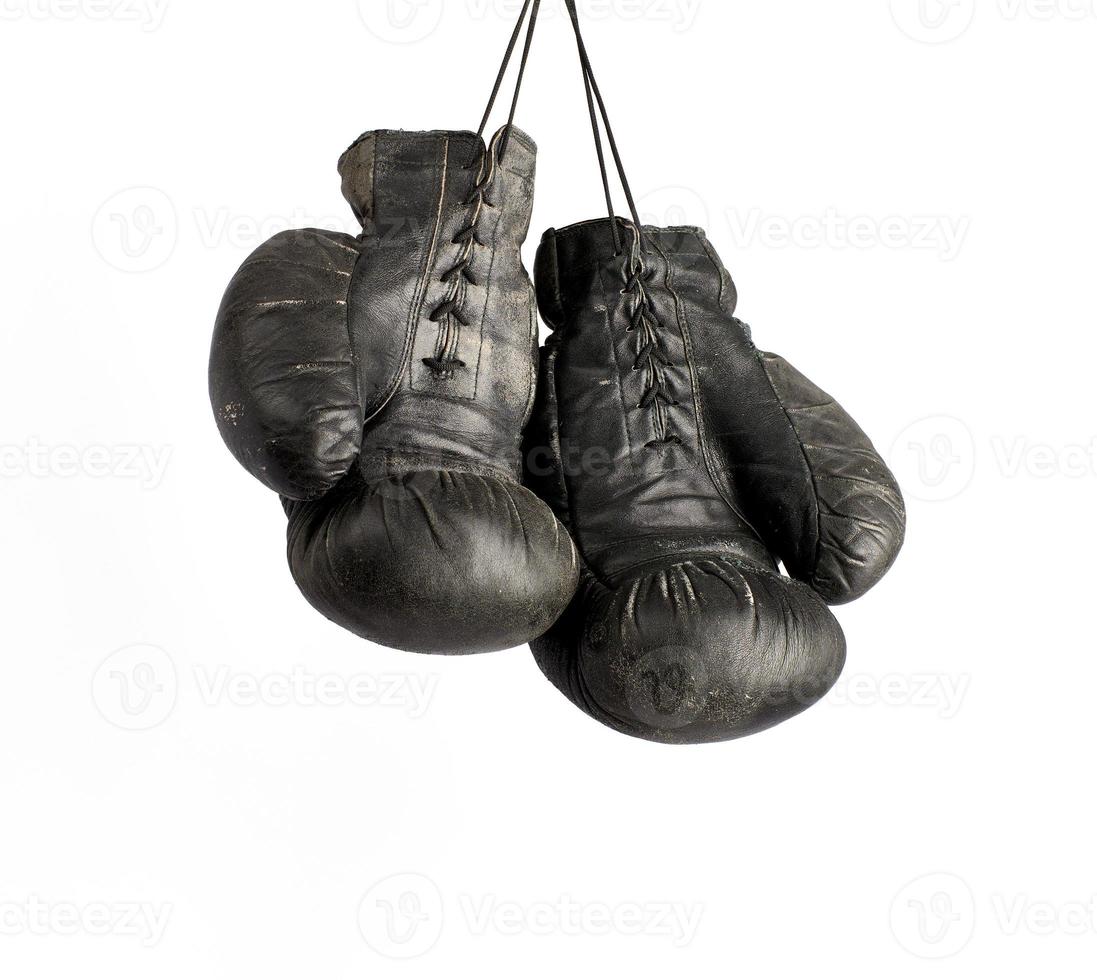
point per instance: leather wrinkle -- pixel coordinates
(683, 604)
(406, 524)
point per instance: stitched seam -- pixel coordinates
(435, 460)
(807, 464)
(687, 337)
(645, 323)
(608, 321)
(710, 463)
(532, 343)
(487, 301)
(415, 313)
(676, 560)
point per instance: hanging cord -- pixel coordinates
(651, 358)
(526, 8)
(451, 315)
(595, 93)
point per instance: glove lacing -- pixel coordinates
(451, 313)
(650, 357)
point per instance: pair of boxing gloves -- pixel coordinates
(619, 499)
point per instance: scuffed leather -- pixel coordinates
(685, 463)
(392, 432)
(281, 345)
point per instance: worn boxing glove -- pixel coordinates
(685, 462)
(380, 385)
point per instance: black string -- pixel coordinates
(594, 92)
(536, 8)
(601, 154)
(521, 76)
(503, 70)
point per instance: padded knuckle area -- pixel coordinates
(862, 524)
(283, 381)
(703, 651)
(861, 515)
(434, 561)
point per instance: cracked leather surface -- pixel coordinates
(380, 385)
(685, 464)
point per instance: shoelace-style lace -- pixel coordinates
(643, 320)
(460, 275)
(650, 358)
(451, 313)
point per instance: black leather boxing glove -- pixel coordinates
(380, 384)
(685, 462)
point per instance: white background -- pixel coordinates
(906, 198)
